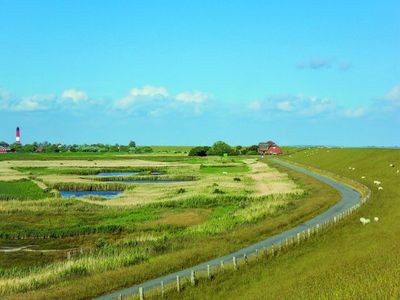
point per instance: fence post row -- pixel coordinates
(303, 235)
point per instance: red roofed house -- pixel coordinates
(269, 148)
(4, 150)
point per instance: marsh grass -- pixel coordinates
(82, 186)
(147, 177)
(22, 189)
(86, 171)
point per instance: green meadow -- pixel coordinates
(84, 247)
(349, 261)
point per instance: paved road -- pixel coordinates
(349, 198)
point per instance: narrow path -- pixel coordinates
(349, 198)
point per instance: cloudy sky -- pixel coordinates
(193, 72)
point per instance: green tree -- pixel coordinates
(219, 148)
(132, 144)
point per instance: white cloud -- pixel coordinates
(355, 112)
(195, 97)
(144, 94)
(254, 105)
(393, 96)
(150, 91)
(298, 105)
(285, 106)
(32, 103)
(74, 95)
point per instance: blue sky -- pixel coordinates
(193, 72)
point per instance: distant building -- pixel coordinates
(4, 150)
(269, 148)
(39, 149)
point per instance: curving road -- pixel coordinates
(349, 198)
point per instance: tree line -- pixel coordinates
(221, 148)
(58, 147)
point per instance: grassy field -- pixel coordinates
(350, 261)
(22, 189)
(114, 243)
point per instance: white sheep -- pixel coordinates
(380, 188)
(362, 177)
(376, 219)
(364, 221)
(224, 173)
(391, 165)
(377, 182)
(398, 171)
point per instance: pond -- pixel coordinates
(106, 174)
(106, 194)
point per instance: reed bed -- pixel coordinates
(83, 186)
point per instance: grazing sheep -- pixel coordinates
(392, 165)
(362, 177)
(377, 182)
(224, 173)
(398, 171)
(380, 188)
(364, 221)
(376, 219)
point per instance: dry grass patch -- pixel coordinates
(185, 218)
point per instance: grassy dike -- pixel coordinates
(349, 261)
(191, 249)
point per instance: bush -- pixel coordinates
(101, 243)
(199, 151)
(252, 150)
(181, 191)
(218, 191)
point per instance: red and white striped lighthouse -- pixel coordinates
(17, 136)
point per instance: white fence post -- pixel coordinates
(141, 293)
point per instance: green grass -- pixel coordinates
(350, 261)
(84, 171)
(22, 190)
(220, 169)
(162, 247)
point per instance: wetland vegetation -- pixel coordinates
(221, 203)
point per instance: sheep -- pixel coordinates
(377, 182)
(376, 219)
(391, 165)
(224, 173)
(398, 171)
(362, 177)
(364, 221)
(380, 188)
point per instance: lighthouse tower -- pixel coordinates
(17, 136)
